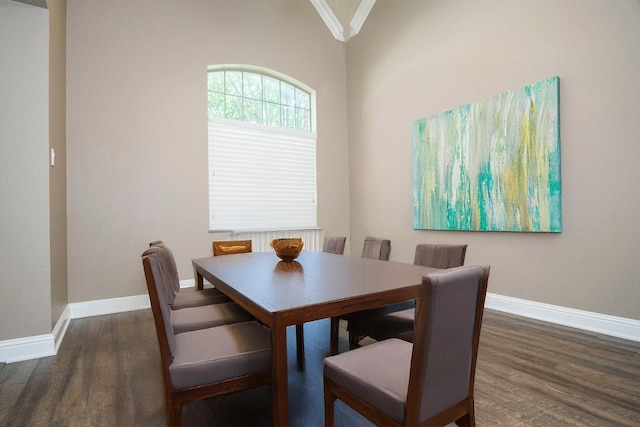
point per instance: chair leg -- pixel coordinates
(335, 330)
(300, 345)
(467, 420)
(176, 416)
(354, 339)
(329, 399)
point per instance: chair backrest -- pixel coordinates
(376, 248)
(447, 333)
(334, 245)
(230, 247)
(156, 282)
(169, 268)
(440, 255)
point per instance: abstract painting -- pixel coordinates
(493, 165)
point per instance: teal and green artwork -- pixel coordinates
(493, 165)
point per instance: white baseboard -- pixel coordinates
(35, 347)
(620, 327)
(188, 283)
(19, 349)
(109, 306)
(61, 328)
(191, 283)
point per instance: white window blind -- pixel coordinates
(260, 177)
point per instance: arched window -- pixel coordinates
(254, 97)
(262, 151)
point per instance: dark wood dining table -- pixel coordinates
(315, 286)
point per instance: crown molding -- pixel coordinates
(360, 16)
(37, 3)
(329, 18)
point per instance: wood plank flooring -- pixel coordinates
(530, 373)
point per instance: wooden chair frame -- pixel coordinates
(385, 251)
(356, 336)
(175, 399)
(462, 413)
(230, 247)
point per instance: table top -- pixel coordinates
(314, 279)
(317, 285)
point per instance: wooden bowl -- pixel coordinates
(287, 249)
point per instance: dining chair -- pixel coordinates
(399, 323)
(191, 318)
(334, 245)
(186, 297)
(440, 255)
(373, 248)
(208, 362)
(396, 320)
(429, 382)
(230, 247)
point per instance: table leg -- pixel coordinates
(300, 345)
(280, 382)
(335, 329)
(199, 280)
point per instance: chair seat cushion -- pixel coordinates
(364, 321)
(216, 354)
(394, 325)
(377, 373)
(403, 316)
(207, 316)
(190, 297)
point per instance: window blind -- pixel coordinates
(260, 178)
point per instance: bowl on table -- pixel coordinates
(287, 249)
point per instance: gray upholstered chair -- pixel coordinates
(440, 255)
(185, 297)
(334, 245)
(207, 362)
(430, 382)
(191, 318)
(231, 247)
(396, 320)
(373, 248)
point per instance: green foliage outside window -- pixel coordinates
(257, 98)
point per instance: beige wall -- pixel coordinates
(137, 135)
(24, 176)
(57, 141)
(425, 57)
(137, 124)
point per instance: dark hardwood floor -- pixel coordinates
(530, 373)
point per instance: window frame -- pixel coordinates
(249, 128)
(282, 78)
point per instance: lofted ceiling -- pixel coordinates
(344, 18)
(39, 3)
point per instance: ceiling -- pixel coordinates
(39, 3)
(344, 18)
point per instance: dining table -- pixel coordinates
(314, 286)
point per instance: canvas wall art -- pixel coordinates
(493, 165)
